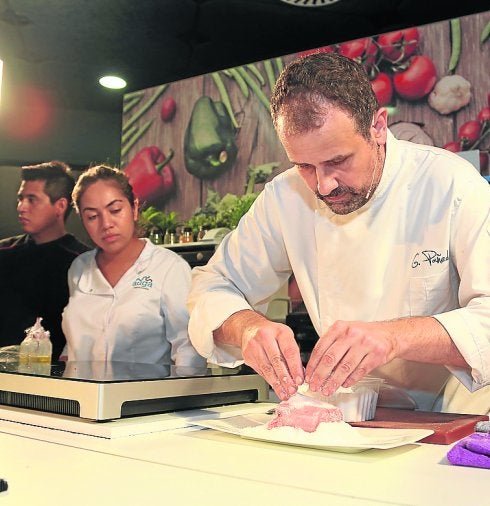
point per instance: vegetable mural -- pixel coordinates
(209, 141)
(198, 151)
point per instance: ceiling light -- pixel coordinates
(310, 3)
(112, 82)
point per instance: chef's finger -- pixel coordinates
(281, 371)
(257, 358)
(352, 363)
(326, 365)
(319, 350)
(290, 351)
(363, 369)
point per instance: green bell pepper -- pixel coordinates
(209, 142)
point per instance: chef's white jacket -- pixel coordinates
(142, 319)
(420, 246)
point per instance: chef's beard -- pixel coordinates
(358, 196)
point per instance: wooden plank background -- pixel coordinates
(256, 139)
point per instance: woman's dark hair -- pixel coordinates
(101, 173)
(310, 84)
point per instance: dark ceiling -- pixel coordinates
(64, 46)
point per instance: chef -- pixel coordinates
(389, 242)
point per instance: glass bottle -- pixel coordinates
(156, 236)
(187, 235)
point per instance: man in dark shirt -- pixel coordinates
(34, 266)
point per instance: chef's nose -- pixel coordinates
(325, 182)
(21, 205)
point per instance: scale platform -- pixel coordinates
(103, 391)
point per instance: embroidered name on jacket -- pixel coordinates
(429, 256)
(145, 282)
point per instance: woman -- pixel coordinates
(127, 296)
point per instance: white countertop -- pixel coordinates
(45, 466)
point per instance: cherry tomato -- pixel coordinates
(484, 115)
(383, 88)
(399, 46)
(324, 49)
(363, 51)
(484, 162)
(168, 108)
(453, 146)
(417, 80)
(469, 133)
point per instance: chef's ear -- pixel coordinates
(379, 127)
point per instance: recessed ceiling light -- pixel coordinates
(112, 82)
(310, 3)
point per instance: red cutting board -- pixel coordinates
(447, 427)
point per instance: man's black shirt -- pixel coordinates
(33, 282)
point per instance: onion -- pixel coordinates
(406, 131)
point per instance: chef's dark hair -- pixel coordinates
(58, 179)
(102, 173)
(309, 85)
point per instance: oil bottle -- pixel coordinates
(36, 347)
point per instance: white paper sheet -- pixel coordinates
(338, 437)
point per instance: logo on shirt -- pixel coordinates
(145, 282)
(430, 256)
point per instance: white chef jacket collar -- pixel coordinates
(93, 281)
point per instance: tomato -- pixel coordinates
(383, 88)
(363, 51)
(469, 133)
(168, 108)
(417, 80)
(484, 162)
(484, 115)
(324, 49)
(399, 46)
(453, 146)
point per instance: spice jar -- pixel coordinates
(156, 236)
(187, 235)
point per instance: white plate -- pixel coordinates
(352, 440)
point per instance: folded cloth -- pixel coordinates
(472, 451)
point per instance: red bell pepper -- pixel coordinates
(150, 174)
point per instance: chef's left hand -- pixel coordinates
(347, 352)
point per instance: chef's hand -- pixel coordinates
(272, 351)
(347, 352)
(268, 347)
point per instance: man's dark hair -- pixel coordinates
(310, 84)
(59, 181)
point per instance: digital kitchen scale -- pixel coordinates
(109, 390)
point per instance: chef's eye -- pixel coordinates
(91, 217)
(338, 161)
(115, 211)
(305, 168)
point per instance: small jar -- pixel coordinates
(173, 238)
(187, 235)
(156, 236)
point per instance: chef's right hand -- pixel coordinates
(268, 347)
(271, 349)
